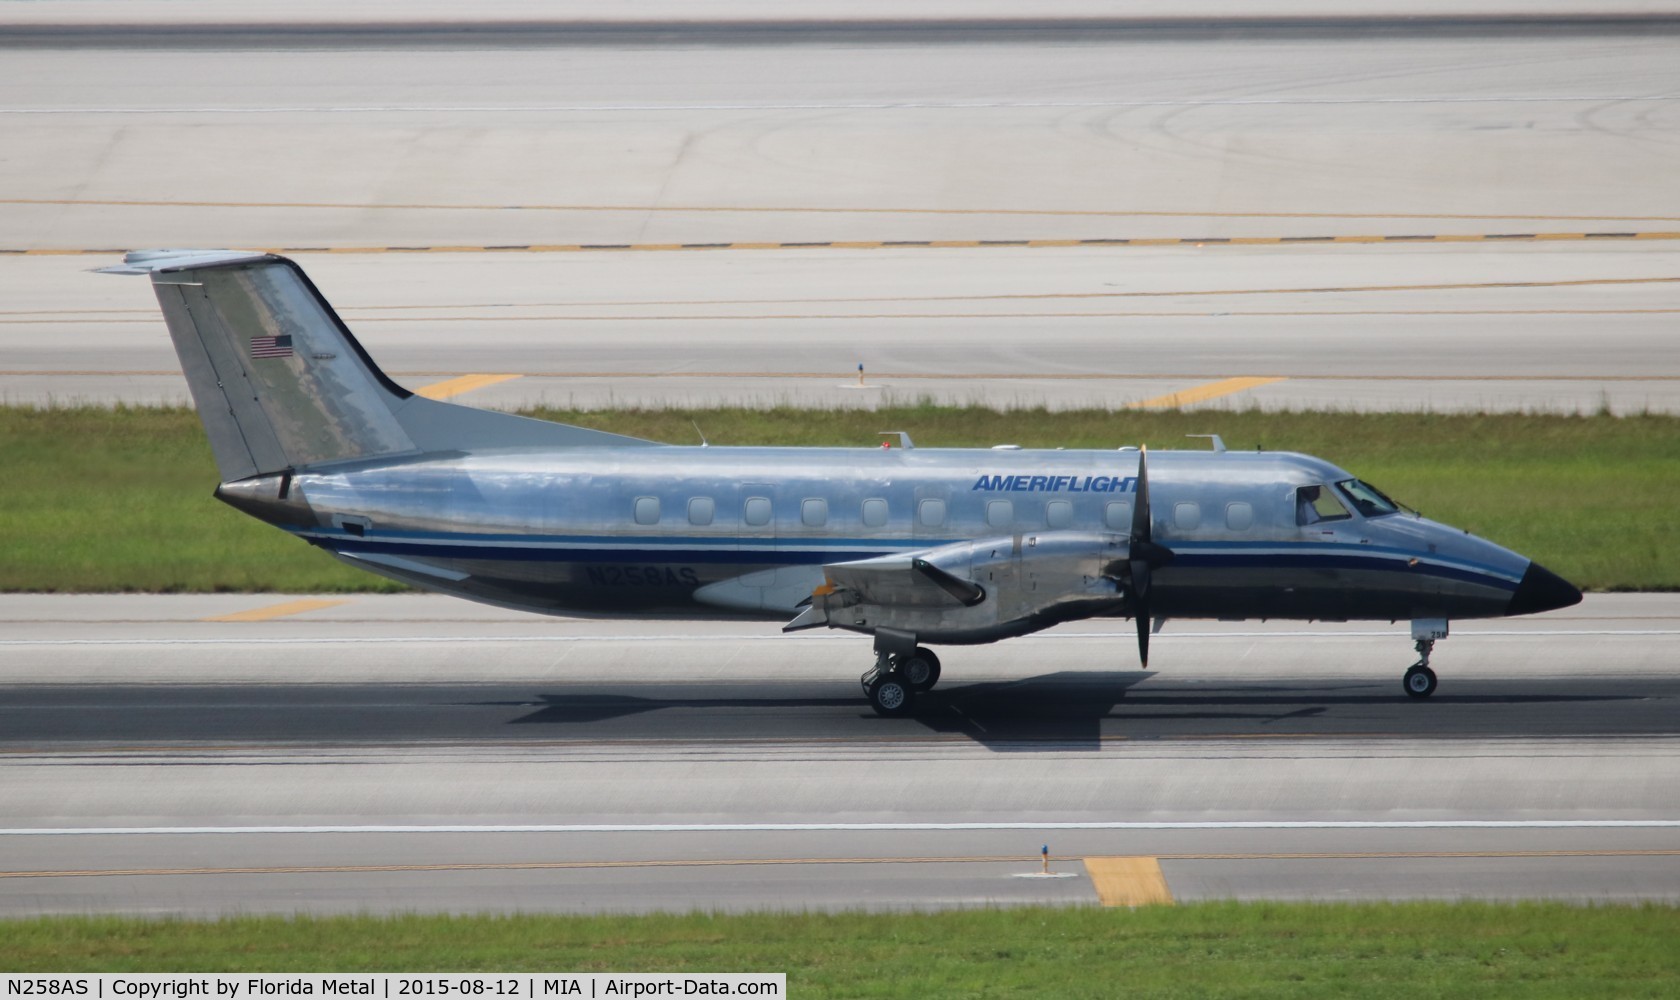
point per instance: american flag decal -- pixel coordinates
(272, 347)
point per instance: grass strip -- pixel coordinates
(1204, 950)
(118, 499)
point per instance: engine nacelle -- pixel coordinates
(981, 591)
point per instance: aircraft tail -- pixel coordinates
(280, 382)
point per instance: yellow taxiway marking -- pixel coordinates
(274, 611)
(451, 388)
(1203, 393)
(1128, 881)
(1118, 241)
(1123, 877)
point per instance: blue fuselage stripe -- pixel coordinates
(800, 552)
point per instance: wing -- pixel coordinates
(974, 591)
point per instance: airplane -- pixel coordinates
(917, 547)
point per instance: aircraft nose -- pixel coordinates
(1542, 590)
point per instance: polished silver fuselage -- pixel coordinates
(747, 530)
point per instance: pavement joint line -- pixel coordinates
(1203, 393)
(1128, 881)
(827, 210)
(450, 388)
(1187, 102)
(969, 244)
(1043, 314)
(925, 376)
(363, 310)
(1116, 885)
(906, 827)
(273, 611)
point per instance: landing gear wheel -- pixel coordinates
(1419, 681)
(920, 669)
(890, 694)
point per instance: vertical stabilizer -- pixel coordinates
(280, 382)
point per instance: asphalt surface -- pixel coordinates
(392, 753)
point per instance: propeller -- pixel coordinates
(1143, 556)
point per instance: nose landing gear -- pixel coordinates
(1419, 681)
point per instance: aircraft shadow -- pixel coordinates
(1062, 711)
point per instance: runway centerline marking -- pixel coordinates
(1128, 881)
(1128, 884)
(1117, 825)
(274, 611)
(1203, 393)
(451, 388)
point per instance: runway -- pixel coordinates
(1398, 219)
(393, 753)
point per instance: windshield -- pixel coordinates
(1367, 499)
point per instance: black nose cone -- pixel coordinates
(1542, 590)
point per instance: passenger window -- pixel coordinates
(757, 511)
(931, 513)
(874, 512)
(700, 510)
(1187, 515)
(999, 513)
(813, 513)
(1315, 503)
(647, 510)
(1117, 516)
(1239, 516)
(1058, 513)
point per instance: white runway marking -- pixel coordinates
(842, 105)
(1468, 824)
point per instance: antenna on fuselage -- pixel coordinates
(1218, 442)
(703, 442)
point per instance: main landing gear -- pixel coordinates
(893, 683)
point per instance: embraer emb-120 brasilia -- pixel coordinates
(917, 547)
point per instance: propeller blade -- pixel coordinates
(1144, 555)
(1140, 503)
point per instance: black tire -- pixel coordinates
(920, 668)
(1419, 682)
(890, 695)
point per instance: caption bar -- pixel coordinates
(395, 986)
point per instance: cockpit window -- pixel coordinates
(1316, 503)
(1367, 499)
